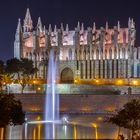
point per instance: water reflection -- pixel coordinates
(78, 127)
(59, 131)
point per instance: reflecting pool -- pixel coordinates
(75, 127)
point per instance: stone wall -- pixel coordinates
(75, 89)
(76, 102)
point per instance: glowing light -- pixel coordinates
(99, 118)
(86, 108)
(26, 119)
(94, 124)
(134, 82)
(2, 134)
(34, 134)
(38, 118)
(96, 131)
(38, 88)
(34, 81)
(97, 81)
(75, 132)
(75, 81)
(39, 130)
(110, 108)
(65, 119)
(119, 82)
(34, 108)
(65, 129)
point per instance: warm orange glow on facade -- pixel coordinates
(119, 82)
(96, 131)
(86, 108)
(1, 133)
(97, 81)
(34, 108)
(34, 134)
(38, 118)
(39, 88)
(39, 131)
(135, 82)
(110, 108)
(100, 118)
(75, 132)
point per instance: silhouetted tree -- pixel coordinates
(13, 66)
(11, 112)
(1, 74)
(128, 117)
(22, 70)
(4, 76)
(27, 70)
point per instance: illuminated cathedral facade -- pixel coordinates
(82, 54)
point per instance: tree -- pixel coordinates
(4, 76)
(1, 74)
(13, 67)
(27, 70)
(128, 117)
(22, 70)
(11, 112)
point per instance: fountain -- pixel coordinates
(54, 127)
(52, 99)
(51, 118)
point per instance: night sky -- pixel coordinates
(64, 11)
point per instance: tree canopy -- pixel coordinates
(10, 110)
(17, 70)
(128, 117)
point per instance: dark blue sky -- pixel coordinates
(66, 11)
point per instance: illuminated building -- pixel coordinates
(84, 54)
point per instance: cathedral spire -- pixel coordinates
(27, 21)
(94, 27)
(106, 26)
(132, 24)
(67, 28)
(28, 15)
(39, 24)
(44, 29)
(129, 23)
(61, 26)
(78, 25)
(118, 26)
(55, 28)
(19, 26)
(82, 27)
(50, 28)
